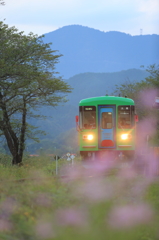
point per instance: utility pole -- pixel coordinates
(141, 30)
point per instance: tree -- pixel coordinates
(132, 90)
(28, 81)
(144, 94)
(153, 79)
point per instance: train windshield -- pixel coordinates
(125, 117)
(107, 122)
(87, 117)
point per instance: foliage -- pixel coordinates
(27, 81)
(60, 145)
(144, 94)
(153, 79)
(133, 89)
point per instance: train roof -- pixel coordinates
(106, 100)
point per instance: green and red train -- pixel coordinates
(106, 124)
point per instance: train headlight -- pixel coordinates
(125, 136)
(88, 137)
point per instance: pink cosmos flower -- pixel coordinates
(75, 217)
(130, 216)
(86, 169)
(7, 207)
(139, 188)
(44, 230)
(98, 167)
(152, 165)
(43, 199)
(5, 225)
(127, 173)
(94, 189)
(71, 173)
(147, 97)
(145, 129)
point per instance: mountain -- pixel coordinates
(85, 49)
(87, 85)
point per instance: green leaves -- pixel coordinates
(27, 81)
(144, 94)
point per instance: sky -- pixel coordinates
(134, 17)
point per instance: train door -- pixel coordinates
(107, 126)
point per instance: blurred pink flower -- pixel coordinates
(43, 199)
(147, 97)
(98, 167)
(152, 166)
(5, 225)
(76, 217)
(44, 230)
(139, 188)
(145, 129)
(71, 173)
(8, 206)
(86, 169)
(147, 164)
(94, 189)
(127, 173)
(130, 215)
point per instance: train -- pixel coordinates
(106, 125)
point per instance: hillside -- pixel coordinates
(88, 50)
(87, 85)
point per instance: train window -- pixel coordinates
(133, 115)
(87, 117)
(107, 120)
(125, 117)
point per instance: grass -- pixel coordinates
(85, 204)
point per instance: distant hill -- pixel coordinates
(87, 85)
(88, 50)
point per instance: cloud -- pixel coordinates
(35, 28)
(150, 7)
(121, 15)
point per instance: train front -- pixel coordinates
(106, 125)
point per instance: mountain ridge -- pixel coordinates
(97, 84)
(86, 49)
